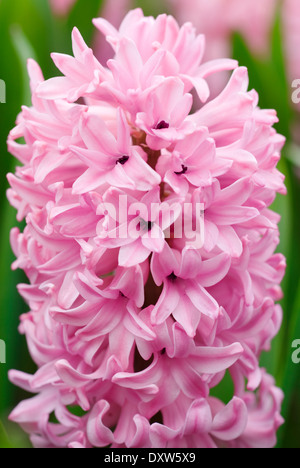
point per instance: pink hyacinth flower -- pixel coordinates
(113, 12)
(149, 246)
(291, 28)
(61, 7)
(219, 19)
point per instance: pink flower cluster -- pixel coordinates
(291, 27)
(218, 19)
(133, 335)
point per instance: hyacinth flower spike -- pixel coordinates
(149, 246)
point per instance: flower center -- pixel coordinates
(172, 277)
(161, 125)
(146, 225)
(123, 160)
(184, 170)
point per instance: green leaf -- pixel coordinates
(82, 15)
(267, 76)
(24, 51)
(4, 442)
(30, 16)
(11, 307)
(290, 379)
(224, 391)
(152, 7)
(77, 411)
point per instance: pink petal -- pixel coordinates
(230, 422)
(98, 434)
(212, 271)
(154, 240)
(199, 418)
(133, 254)
(211, 360)
(166, 304)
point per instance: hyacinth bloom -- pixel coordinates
(113, 12)
(61, 7)
(219, 18)
(132, 323)
(291, 23)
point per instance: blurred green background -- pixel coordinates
(30, 28)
